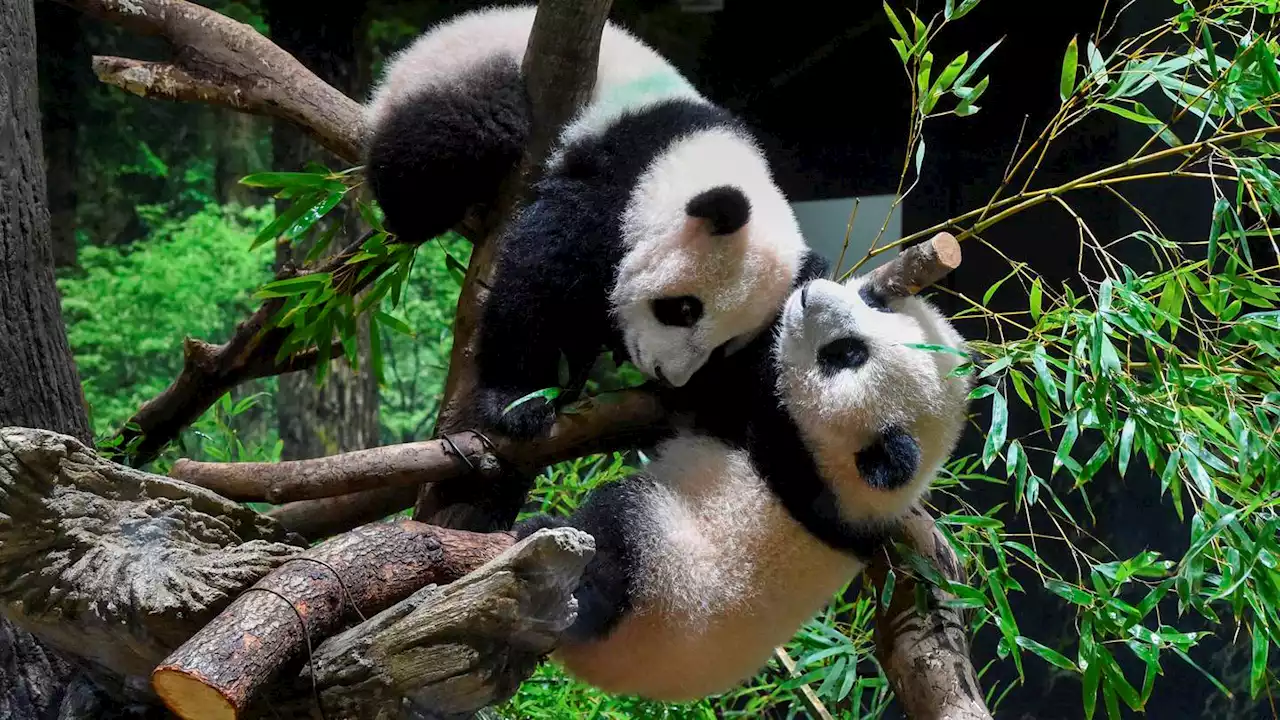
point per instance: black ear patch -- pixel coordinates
(726, 207)
(891, 460)
(874, 299)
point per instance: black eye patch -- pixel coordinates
(848, 353)
(682, 311)
(874, 299)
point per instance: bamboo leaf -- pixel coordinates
(1067, 82)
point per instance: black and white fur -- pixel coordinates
(656, 230)
(807, 445)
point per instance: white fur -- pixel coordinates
(630, 73)
(838, 415)
(725, 576)
(740, 278)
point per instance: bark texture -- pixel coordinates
(38, 380)
(447, 652)
(926, 653)
(114, 565)
(40, 387)
(219, 670)
(224, 62)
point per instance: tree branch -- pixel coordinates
(926, 656)
(220, 61)
(601, 427)
(218, 671)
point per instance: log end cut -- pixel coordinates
(189, 696)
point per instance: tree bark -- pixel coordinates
(219, 670)
(38, 381)
(63, 60)
(342, 415)
(39, 386)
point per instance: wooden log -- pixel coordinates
(446, 652)
(217, 672)
(926, 653)
(116, 566)
(917, 267)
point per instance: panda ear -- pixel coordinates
(725, 208)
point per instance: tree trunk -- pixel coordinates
(342, 415)
(38, 382)
(63, 61)
(235, 136)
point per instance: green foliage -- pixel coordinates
(1171, 366)
(129, 309)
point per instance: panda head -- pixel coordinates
(852, 382)
(712, 249)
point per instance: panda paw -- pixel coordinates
(534, 523)
(891, 461)
(530, 419)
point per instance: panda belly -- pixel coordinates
(723, 576)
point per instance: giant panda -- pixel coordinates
(810, 443)
(656, 231)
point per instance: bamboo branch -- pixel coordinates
(926, 655)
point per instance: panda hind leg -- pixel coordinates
(604, 593)
(436, 154)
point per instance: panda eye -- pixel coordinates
(874, 299)
(682, 311)
(844, 354)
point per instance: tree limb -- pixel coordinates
(219, 670)
(926, 656)
(220, 61)
(601, 427)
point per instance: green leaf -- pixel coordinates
(1067, 82)
(1037, 298)
(1069, 592)
(293, 180)
(922, 77)
(886, 593)
(1143, 116)
(1063, 454)
(991, 291)
(293, 285)
(1053, 657)
(999, 428)
(973, 69)
(918, 26)
(1048, 382)
(966, 106)
(928, 347)
(950, 73)
(1258, 667)
(1097, 66)
(547, 394)
(901, 47)
(919, 155)
(1126, 444)
(897, 25)
(394, 323)
(965, 7)
(1220, 208)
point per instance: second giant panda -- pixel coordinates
(807, 447)
(656, 231)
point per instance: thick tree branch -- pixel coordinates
(603, 426)
(926, 656)
(220, 61)
(217, 672)
(560, 71)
